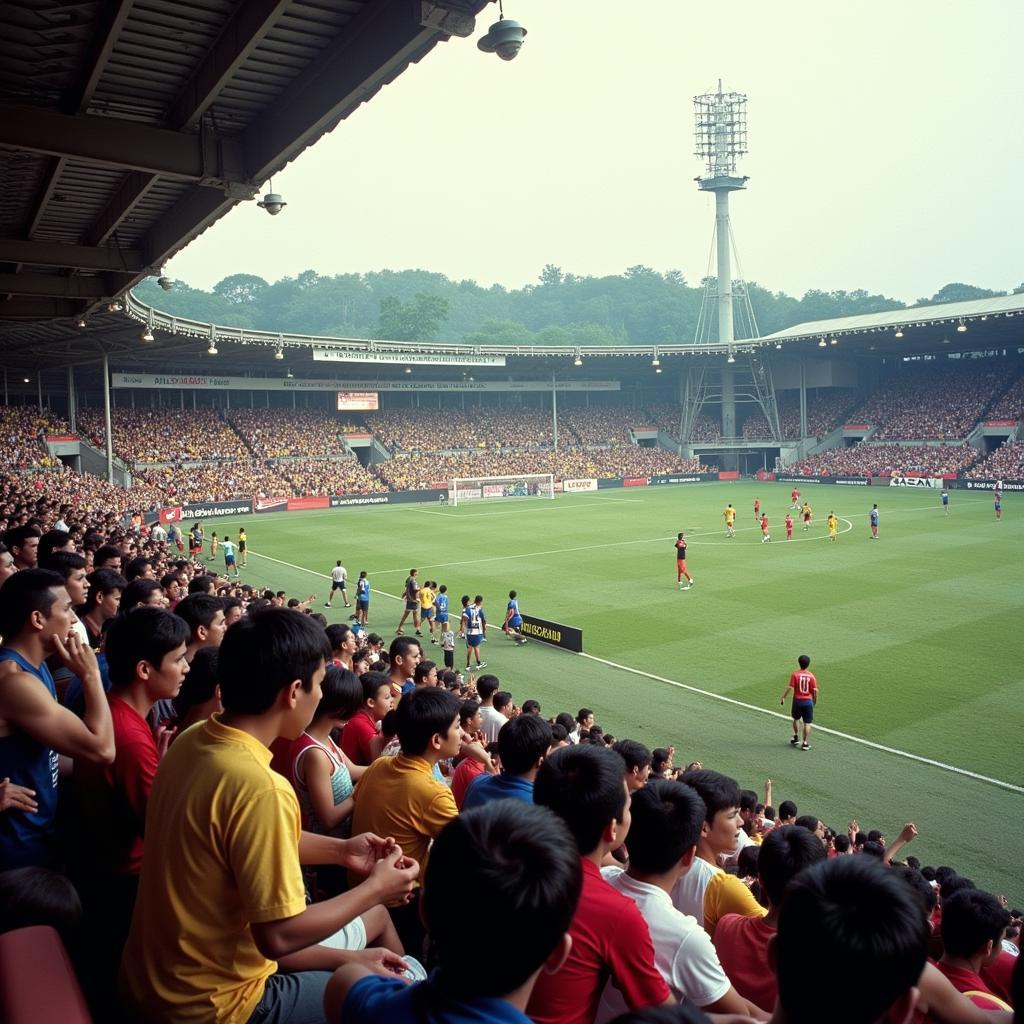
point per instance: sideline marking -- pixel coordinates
(906, 754)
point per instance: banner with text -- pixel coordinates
(988, 485)
(682, 478)
(333, 355)
(217, 509)
(573, 486)
(271, 505)
(915, 481)
(557, 634)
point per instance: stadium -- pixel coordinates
(556, 477)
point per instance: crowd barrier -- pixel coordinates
(557, 634)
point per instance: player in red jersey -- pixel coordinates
(805, 696)
(794, 497)
(681, 563)
(789, 527)
(757, 508)
(765, 535)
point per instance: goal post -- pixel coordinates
(465, 489)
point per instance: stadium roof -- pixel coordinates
(128, 127)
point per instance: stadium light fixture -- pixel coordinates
(731, 359)
(834, 341)
(26, 380)
(408, 369)
(899, 332)
(212, 350)
(578, 361)
(289, 375)
(961, 327)
(81, 324)
(147, 334)
(821, 344)
(655, 361)
(114, 307)
(778, 345)
(279, 353)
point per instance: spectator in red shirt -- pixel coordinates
(361, 739)
(848, 926)
(585, 785)
(973, 923)
(742, 942)
(145, 652)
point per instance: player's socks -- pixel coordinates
(793, 742)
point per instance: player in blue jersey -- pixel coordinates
(473, 624)
(362, 598)
(440, 611)
(874, 522)
(513, 620)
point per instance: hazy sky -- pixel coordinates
(886, 152)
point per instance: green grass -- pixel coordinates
(915, 638)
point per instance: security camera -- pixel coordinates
(504, 37)
(165, 282)
(272, 203)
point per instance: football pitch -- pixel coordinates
(915, 638)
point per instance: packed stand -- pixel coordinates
(869, 459)
(420, 472)
(281, 433)
(209, 722)
(22, 429)
(1011, 405)
(939, 401)
(1005, 463)
(435, 430)
(213, 482)
(596, 426)
(327, 476)
(665, 416)
(164, 435)
(826, 409)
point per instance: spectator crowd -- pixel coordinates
(871, 459)
(1005, 463)
(279, 433)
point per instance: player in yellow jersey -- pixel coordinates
(805, 515)
(427, 592)
(833, 525)
(729, 514)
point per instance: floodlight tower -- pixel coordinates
(720, 123)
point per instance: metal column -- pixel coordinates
(106, 419)
(803, 399)
(72, 411)
(554, 411)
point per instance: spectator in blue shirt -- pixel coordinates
(523, 744)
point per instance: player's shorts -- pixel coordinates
(427, 613)
(515, 623)
(362, 606)
(473, 640)
(803, 709)
(241, 545)
(449, 659)
(831, 531)
(335, 585)
(807, 517)
(412, 606)
(442, 618)
(681, 563)
(229, 559)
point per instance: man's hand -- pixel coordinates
(853, 829)
(909, 832)
(78, 657)
(395, 876)
(361, 853)
(380, 961)
(17, 798)
(164, 735)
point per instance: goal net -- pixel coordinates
(487, 488)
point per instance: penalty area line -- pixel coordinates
(931, 762)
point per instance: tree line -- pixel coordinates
(639, 306)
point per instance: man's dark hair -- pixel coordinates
(38, 896)
(875, 836)
(718, 791)
(138, 592)
(585, 786)
(787, 809)
(199, 610)
(842, 842)
(748, 801)
(201, 682)
(423, 714)
(876, 850)
(522, 742)
(970, 918)
(106, 553)
(136, 567)
(583, 715)
(785, 852)
(342, 694)
(667, 821)
(803, 661)
(146, 634)
(467, 710)
(558, 733)
(28, 591)
(807, 821)
(50, 542)
(264, 653)
(914, 880)
(634, 753)
(487, 686)
(402, 645)
(202, 584)
(523, 857)
(847, 918)
(502, 699)
(16, 536)
(336, 634)
(64, 562)
(531, 707)
(372, 682)
(563, 718)
(101, 583)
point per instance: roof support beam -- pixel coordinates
(203, 159)
(131, 190)
(53, 286)
(39, 309)
(247, 28)
(77, 257)
(108, 30)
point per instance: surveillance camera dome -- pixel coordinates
(272, 203)
(165, 282)
(504, 37)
